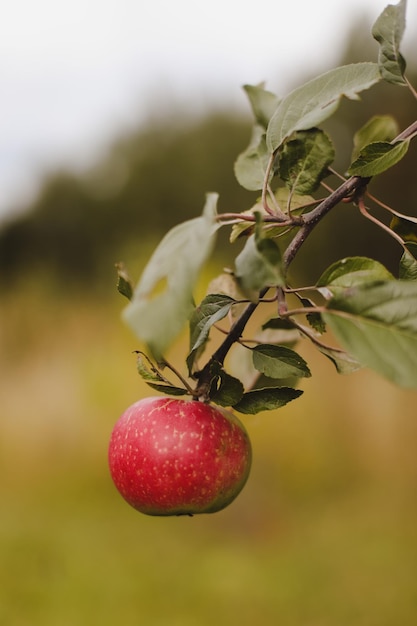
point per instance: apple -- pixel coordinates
(178, 457)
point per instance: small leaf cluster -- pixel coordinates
(370, 312)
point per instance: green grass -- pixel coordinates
(324, 533)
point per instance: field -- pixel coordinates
(324, 534)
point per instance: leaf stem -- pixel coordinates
(410, 218)
(266, 189)
(178, 375)
(314, 339)
(411, 88)
(265, 185)
(364, 211)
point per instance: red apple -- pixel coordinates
(177, 457)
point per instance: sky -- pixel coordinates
(75, 74)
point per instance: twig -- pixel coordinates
(349, 188)
(411, 88)
(364, 211)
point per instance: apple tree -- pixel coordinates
(369, 311)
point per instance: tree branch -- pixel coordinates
(351, 188)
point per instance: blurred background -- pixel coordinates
(116, 119)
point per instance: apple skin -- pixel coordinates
(178, 457)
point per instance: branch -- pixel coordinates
(354, 186)
(351, 188)
(220, 354)
(408, 133)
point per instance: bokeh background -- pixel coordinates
(325, 531)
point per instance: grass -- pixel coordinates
(324, 533)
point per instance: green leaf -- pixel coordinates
(278, 323)
(352, 271)
(304, 159)
(170, 390)
(343, 362)
(259, 264)
(244, 228)
(377, 324)
(279, 362)
(163, 301)
(378, 128)
(388, 30)
(154, 378)
(225, 390)
(309, 105)
(297, 202)
(378, 157)
(266, 399)
(212, 309)
(408, 263)
(314, 319)
(250, 166)
(124, 284)
(147, 370)
(263, 103)
(405, 226)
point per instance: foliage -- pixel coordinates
(371, 311)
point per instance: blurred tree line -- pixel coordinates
(81, 224)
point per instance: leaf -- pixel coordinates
(278, 323)
(378, 128)
(246, 228)
(378, 157)
(157, 316)
(408, 263)
(266, 399)
(297, 202)
(259, 264)
(309, 105)
(352, 271)
(170, 390)
(147, 370)
(314, 319)
(124, 284)
(272, 332)
(343, 362)
(405, 226)
(212, 309)
(263, 103)
(154, 379)
(388, 30)
(225, 284)
(377, 324)
(250, 166)
(226, 390)
(279, 362)
(304, 159)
